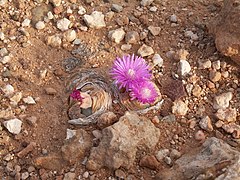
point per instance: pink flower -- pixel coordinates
(129, 71)
(144, 92)
(76, 95)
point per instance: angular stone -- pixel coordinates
(54, 41)
(215, 76)
(150, 162)
(146, 2)
(204, 64)
(232, 128)
(95, 20)
(122, 20)
(222, 101)
(157, 60)
(116, 8)
(63, 24)
(29, 100)
(161, 154)
(145, 50)
(70, 35)
(16, 98)
(214, 155)
(199, 135)
(154, 30)
(75, 148)
(116, 35)
(119, 143)
(6, 114)
(184, 68)
(179, 108)
(173, 18)
(14, 126)
(40, 25)
(197, 91)
(227, 115)
(56, 2)
(8, 90)
(69, 176)
(132, 37)
(206, 123)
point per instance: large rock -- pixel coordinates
(75, 148)
(213, 156)
(226, 30)
(120, 142)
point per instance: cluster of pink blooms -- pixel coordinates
(76, 95)
(133, 74)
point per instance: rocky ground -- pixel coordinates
(193, 50)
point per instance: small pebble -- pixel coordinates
(83, 28)
(44, 151)
(126, 47)
(5, 59)
(3, 52)
(24, 175)
(167, 160)
(54, 41)
(120, 174)
(2, 36)
(81, 10)
(70, 35)
(216, 65)
(206, 124)
(86, 174)
(162, 153)
(63, 24)
(146, 2)
(50, 91)
(29, 100)
(153, 9)
(26, 22)
(8, 90)
(50, 15)
(200, 136)
(116, 8)
(173, 18)
(157, 60)
(184, 67)
(155, 120)
(145, 50)
(215, 76)
(116, 35)
(31, 169)
(40, 25)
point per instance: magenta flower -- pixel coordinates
(76, 95)
(144, 92)
(130, 70)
